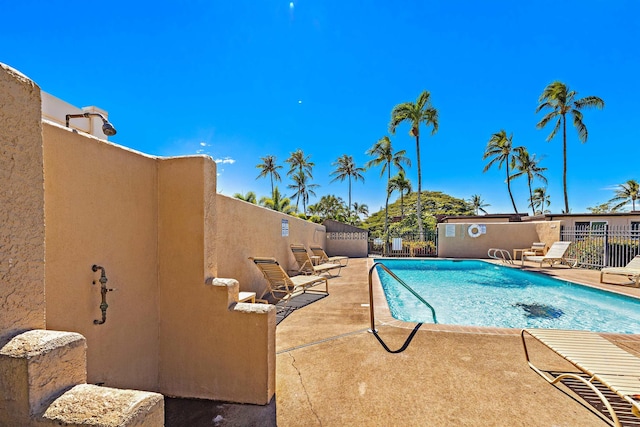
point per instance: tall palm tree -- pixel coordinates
(478, 204)
(528, 165)
(561, 101)
(269, 167)
(303, 188)
(630, 190)
(384, 155)
(499, 148)
(540, 200)
(301, 165)
(416, 113)
(401, 184)
(346, 168)
(249, 197)
(279, 202)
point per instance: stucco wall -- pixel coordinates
(101, 208)
(354, 248)
(508, 235)
(246, 230)
(22, 301)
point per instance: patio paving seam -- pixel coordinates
(335, 337)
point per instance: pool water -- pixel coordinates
(477, 293)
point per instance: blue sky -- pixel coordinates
(239, 80)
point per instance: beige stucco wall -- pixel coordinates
(22, 302)
(507, 235)
(354, 248)
(101, 209)
(247, 230)
(612, 220)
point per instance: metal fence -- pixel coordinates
(406, 245)
(602, 245)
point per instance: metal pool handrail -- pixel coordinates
(399, 280)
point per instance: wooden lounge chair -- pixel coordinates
(597, 359)
(280, 285)
(319, 252)
(631, 270)
(536, 248)
(555, 255)
(306, 265)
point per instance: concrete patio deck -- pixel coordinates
(332, 372)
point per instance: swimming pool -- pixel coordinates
(477, 293)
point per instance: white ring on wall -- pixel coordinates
(476, 233)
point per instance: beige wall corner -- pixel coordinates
(22, 302)
(217, 349)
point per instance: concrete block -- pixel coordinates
(91, 405)
(36, 367)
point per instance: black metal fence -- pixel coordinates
(406, 245)
(602, 245)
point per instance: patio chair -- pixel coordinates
(319, 252)
(631, 270)
(280, 285)
(555, 255)
(597, 360)
(306, 265)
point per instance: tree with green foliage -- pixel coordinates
(478, 204)
(416, 113)
(383, 155)
(299, 165)
(303, 189)
(269, 167)
(540, 200)
(330, 207)
(249, 197)
(499, 149)
(279, 202)
(528, 166)
(401, 184)
(561, 101)
(346, 169)
(435, 203)
(625, 192)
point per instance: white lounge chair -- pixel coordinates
(631, 270)
(600, 360)
(555, 255)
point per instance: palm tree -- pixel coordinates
(269, 167)
(562, 101)
(539, 200)
(630, 190)
(416, 113)
(302, 189)
(384, 155)
(299, 164)
(401, 184)
(279, 202)
(249, 197)
(346, 168)
(361, 209)
(528, 165)
(478, 204)
(499, 148)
